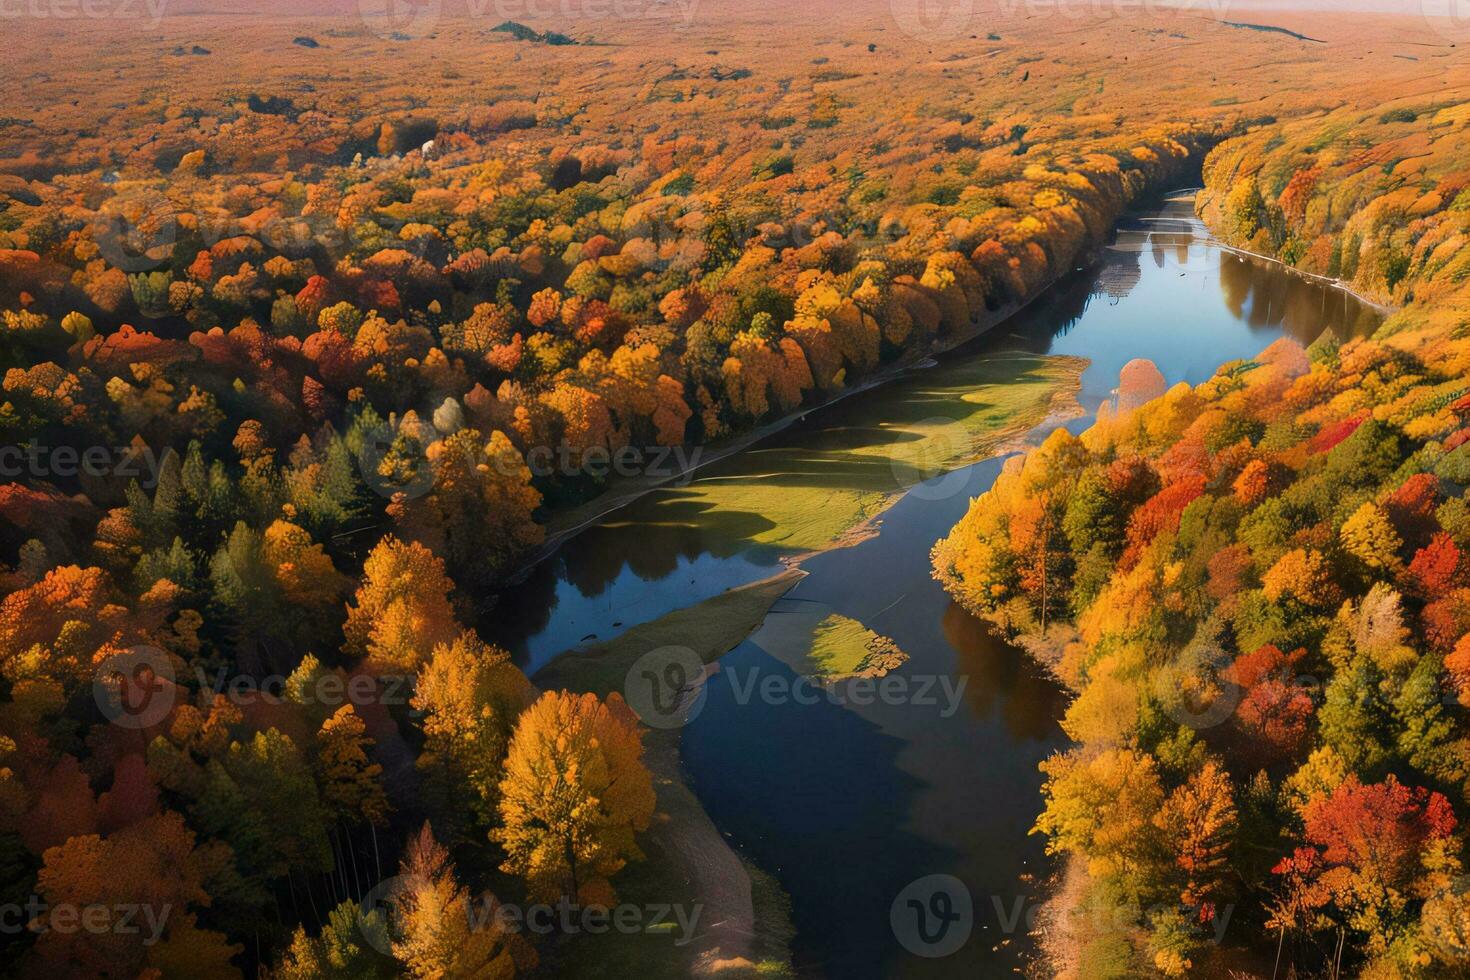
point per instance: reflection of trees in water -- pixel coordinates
(521, 610)
(593, 560)
(1267, 295)
(1053, 315)
(1030, 702)
(651, 536)
(1235, 284)
(1120, 274)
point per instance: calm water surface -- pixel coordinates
(846, 804)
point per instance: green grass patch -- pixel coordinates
(843, 647)
(810, 492)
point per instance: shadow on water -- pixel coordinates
(819, 788)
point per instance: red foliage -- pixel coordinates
(338, 362)
(1267, 663)
(1335, 433)
(62, 804)
(1380, 828)
(1298, 191)
(1447, 619)
(600, 325)
(506, 357)
(318, 401)
(1411, 508)
(1253, 483)
(1436, 567)
(133, 795)
(597, 246)
(115, 352)
(202, 268)
(314, 297)
(1273, 707)
(1457, 439)
(379, 294)
(40, 509)
(1228, 569)
(1159, 514)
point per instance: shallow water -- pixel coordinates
(849, 799)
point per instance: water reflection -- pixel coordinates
(1268, 295)
(1027, 701)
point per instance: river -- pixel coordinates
(850, 799)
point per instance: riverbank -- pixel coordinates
(742, 929)
(628, 490)
(1074, 929)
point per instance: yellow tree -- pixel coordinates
(470, 695)
(1369, 536)
(574, 795)
(1101, 807)
(301, 567)
(438, 932)
(352, 786)
(481, 502)
(402, 608)
(1198, 820)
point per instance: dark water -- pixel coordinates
(847, 803)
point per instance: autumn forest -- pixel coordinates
(733, 490)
